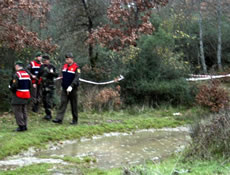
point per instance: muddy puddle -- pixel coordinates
(114, 149)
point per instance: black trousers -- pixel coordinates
(65, 98)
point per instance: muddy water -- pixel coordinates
(123, 149)
(110, 150)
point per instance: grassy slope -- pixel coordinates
(41, 132)
(175, 166)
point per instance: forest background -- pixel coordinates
(155, 45)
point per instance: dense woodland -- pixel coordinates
(154, 44)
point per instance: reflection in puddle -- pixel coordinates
(112, 149)
(117, 150)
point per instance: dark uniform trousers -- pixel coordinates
(20, 114)
(65, 98)
(47, 98)
(36, 94)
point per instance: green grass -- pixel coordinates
(41, 132)
(172, 166)
(175, 166)
(104, 172)
(49, 169)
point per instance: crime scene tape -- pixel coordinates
(205, 77)
(98, 83)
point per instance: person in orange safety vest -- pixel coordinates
(20, 87)
(33, 68)
(70, 82)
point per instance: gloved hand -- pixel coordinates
(69, 89)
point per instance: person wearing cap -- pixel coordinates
(47, 73)
(20, 87)
(70, 82)
(33, 68)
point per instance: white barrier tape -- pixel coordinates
(193, 75)
(201, 77)
(206, 77)
(103, 83)
(96, 83)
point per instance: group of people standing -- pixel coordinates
(37, 81)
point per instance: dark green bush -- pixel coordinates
(5, 94)
(157, 74)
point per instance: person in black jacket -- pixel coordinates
(20, 87)
(70, 82)
(47, 74)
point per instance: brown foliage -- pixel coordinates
(213, 96)
(129, 19)
(95, 70)
(15, 35)
(107, 98)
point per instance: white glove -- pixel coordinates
(9, 86)
(69, 89)
(51, 70)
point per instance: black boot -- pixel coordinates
(35, 108)
(57, 121)
(25, 128)
(20, 129)
(74, 122)
(47, 117)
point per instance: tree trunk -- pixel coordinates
(201, 40)
(219, 46)
(90, 26)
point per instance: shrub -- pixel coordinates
(5, 94)
(108, 98)
(95, 98)
(213, 96)
(210, 137)
(157, 74)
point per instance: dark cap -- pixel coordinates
(69, 55)
(38, 54)
(20, 63)
(46, 57)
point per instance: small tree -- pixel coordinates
(129, 19)
(13, 34)
(201, 39)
